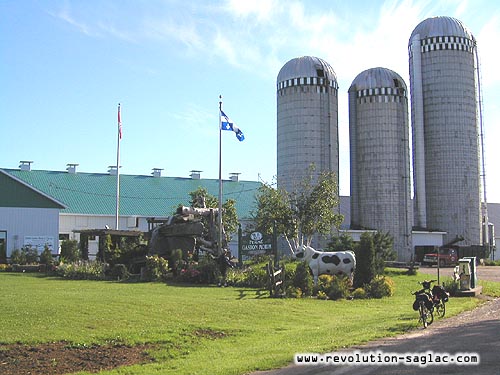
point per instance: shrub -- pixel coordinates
(46, 257)
(359, 293)
(381, 286)
(156, 268)
(339, 287)
(120, 272)
(70, 251)
(206, 272)
(292, 292)
(82, 270)
(18, 257)
(322, 295)
(176, 261)
(303, 279)
(451, 286)
(365, 261)
(5, 267)
(324, 284)
(31, 254)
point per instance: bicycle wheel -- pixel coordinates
(440, 308)
(426, 317)
(423, 314)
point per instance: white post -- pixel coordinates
(118, 170)
(219, 216)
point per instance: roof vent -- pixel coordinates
(112, 170)
(157, 172)
(71, 168)
(234, 176)
(25, 165)
(195, 175)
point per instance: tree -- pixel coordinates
(365, 261)
(274, 206)
(384, 250)
(69, 251)
(303, 213)
(343, 242)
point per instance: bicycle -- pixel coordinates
(424, 305)
(439, 298)
(430, 299)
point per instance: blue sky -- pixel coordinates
(65, 66)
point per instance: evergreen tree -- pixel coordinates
(365, 261)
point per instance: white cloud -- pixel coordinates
(262, 10)
(65, 15)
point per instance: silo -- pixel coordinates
(445, 129)
(307, 120)
(380, 156)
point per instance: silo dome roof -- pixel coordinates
(377, 77)
(306, 66)
(441, 26)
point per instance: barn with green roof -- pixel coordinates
(89, 199)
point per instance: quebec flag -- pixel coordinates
(227, 124)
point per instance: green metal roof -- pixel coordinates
(147, 196)
(16, 193)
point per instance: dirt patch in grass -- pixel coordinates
(209, 334)
(63, 358)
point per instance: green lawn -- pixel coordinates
(242, 329)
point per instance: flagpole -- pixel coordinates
(118, 170)
(219, 242)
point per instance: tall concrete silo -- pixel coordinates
(445, 129)
(307, 120)
(380, 156)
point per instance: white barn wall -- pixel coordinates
(20, 222)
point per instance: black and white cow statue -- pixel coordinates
(330, 263)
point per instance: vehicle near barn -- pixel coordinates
(445, 257)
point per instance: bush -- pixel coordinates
(18, 257)
(5, 267)
(254, 276)
(82, 270)
(322, 295)
(292, 292)
(206, 272)
(303, 279)
(156, 268)
(324, 284)
(359, 293)
(339, 287)
(31, 254)
(451, 286)
(27, 255)
(46, 257)
(381, 286)
(70, 251)
(120, 272)
(365, 261)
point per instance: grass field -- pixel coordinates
(200, 330)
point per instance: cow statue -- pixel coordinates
(331, 263)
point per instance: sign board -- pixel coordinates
(39, 242)
(254, 244)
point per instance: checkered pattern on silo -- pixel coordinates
(380, 156)
(445, 129)
(307, 120)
